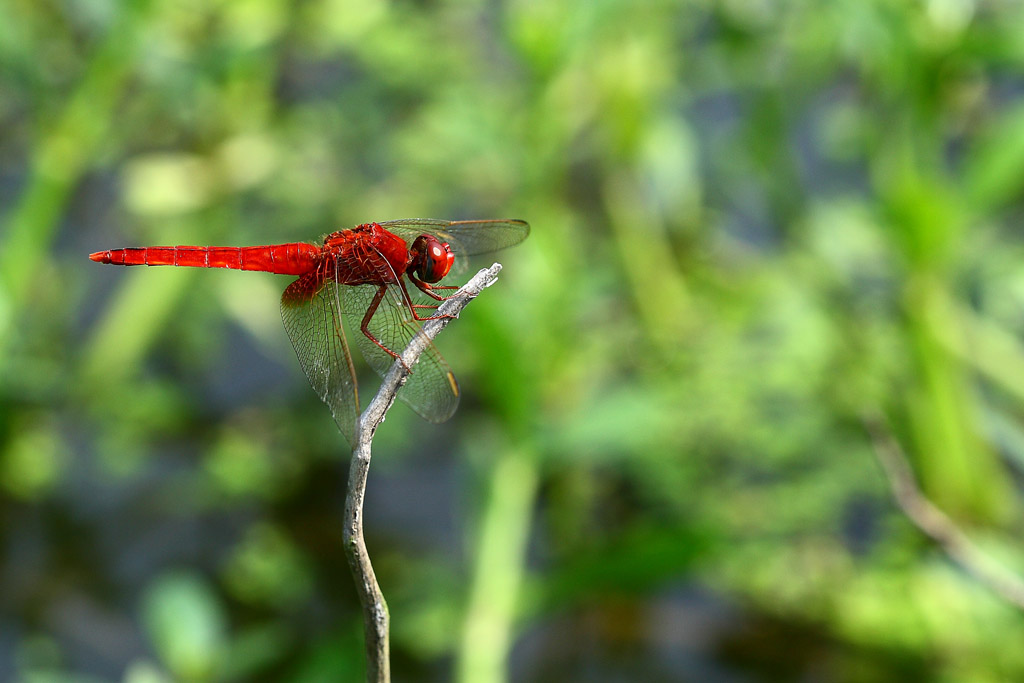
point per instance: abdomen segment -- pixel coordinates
(296, 258)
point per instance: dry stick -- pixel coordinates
(375, 609)
(936, 524)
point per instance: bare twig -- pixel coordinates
(936, 524)
(375, 609)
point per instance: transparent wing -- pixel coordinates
(466, 237)
(311, 309)
(431, 389)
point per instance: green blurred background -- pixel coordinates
(754, 223)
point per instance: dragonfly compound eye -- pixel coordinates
(432, 258)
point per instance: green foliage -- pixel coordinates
(186, 626)
(754, 224)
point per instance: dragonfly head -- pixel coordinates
(431, 258)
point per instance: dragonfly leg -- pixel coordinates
(413, 307)
(428, 288)
(365, 326)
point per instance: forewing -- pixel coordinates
(431, 389)
(312, 313)
(466, 237)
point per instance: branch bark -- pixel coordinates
(375, 608)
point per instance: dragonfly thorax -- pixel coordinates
(430, 258)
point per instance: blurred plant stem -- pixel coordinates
(956, 468)
(657, 283)
(65, 153)
(985, 345)
(498, 569)
(375, 607)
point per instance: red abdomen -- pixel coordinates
(296, 258)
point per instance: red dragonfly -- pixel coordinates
(357, 276)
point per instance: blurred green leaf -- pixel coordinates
(267, 568)
(32, 462)
(145, 672)
(185, 622)
(995, 166)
